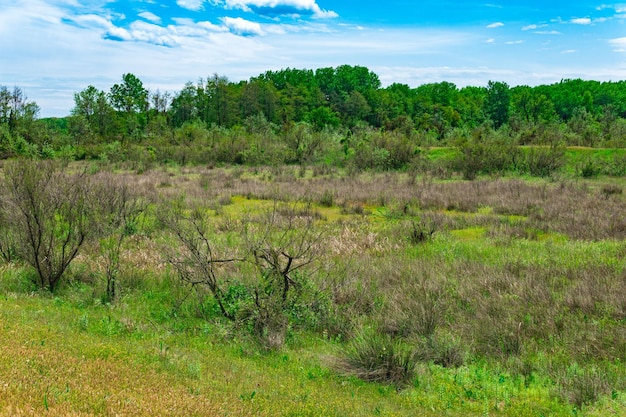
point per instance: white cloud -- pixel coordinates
(282, 7)
(150, 33)
(569, 51)
(547, 32)
(619, 44)
(242, 27)
(581, 21)
(150, 16)
(619, 8)
(517, 42)
(495, 25)
(138, 31)
(194, 5)
(490, 40)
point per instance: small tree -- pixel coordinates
(196, 260)
(48, 214)
(279, 244)
(121, 210)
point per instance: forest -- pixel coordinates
(332, 116)
(310, 243)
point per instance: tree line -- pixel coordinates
(303, 115)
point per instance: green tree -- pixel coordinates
(130, 96)
(18, 113)
(131, 99)
(93, 106)
(531, 105)
(322, 117)
(184, 106)
(497, 102)
(217, 101)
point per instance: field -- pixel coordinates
(314, 291)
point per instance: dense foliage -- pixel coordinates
(335, 116)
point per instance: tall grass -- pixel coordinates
(512, 305)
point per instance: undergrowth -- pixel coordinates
(498, 297)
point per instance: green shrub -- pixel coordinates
(443, 351)
(543, 161)
(376, 357)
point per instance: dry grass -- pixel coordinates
(527, 277)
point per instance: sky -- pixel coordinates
(55, 48)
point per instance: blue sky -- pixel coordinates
(54, 48)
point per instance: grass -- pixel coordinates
(62, 368)
(512, 306)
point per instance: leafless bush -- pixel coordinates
(281, 244)
(197, 260)
(581, 386)
(442, 350)
(122, 209)
(49, 215)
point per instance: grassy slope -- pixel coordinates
(70, 355)
(70, 360)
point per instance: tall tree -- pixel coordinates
(131, 99)
(497, 102)
(130, 96)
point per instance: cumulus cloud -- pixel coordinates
(150, 33)
(581, 21)
(138, 31)
(93, 21)
(517, 42)
(193, 5)
(242, 27)
(495, 25)
(150, 16)
(274, 8)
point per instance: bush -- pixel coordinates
(48, 215)
(485, 156)
(378, 358)
(543, 161)
(581, 386)
(442, 351)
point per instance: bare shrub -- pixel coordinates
(583, 386)
(610, 189)
(281, 244)
(415, 305)
(423, 229)
(197, 260)
(122, 210)
(49, 214)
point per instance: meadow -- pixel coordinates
(319, 291)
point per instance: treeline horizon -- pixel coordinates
(303, 116)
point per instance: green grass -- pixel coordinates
(103, 360)
(534, 306)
